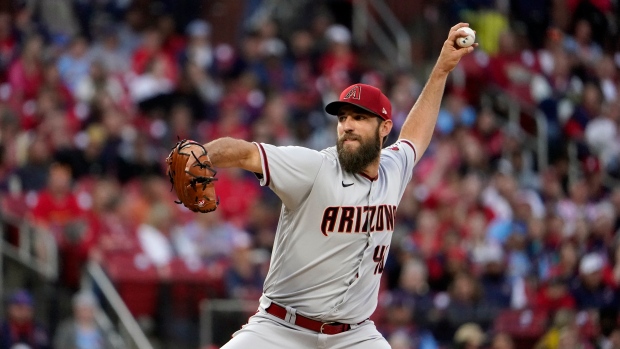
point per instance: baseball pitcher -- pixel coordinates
(337, 216)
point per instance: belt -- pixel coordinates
(313, 325)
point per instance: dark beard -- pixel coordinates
(356, 161)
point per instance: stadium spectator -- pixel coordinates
(153, 80)
(98, 82)
(74, 65)
(466, 303)
(160, 240)
(469, 336)
(56, 206)
(496, 286)
(81, 330)
(108, 50)
(401, 328)
(211, 238)
(502, 340)
(590, 291)
(554, 295)
(245, 276)
(20, 326)
(25, 76)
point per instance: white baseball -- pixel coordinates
(468, 40)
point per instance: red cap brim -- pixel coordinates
(333, 108)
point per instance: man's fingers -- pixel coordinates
(466, 50)
(455, 34)
(457, 26)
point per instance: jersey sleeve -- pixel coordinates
(403, 155)
(289, 171)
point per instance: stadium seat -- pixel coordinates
(525, 326)
(190, 284)
(136, 282)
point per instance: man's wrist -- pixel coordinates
(439, 73)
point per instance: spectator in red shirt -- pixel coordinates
(56, 205)
(172, 42)
(25, 75)
(150, 50)
(554, 295)
(512, 68)
(154, 80)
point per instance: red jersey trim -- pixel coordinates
(368, 177)
(415, 153)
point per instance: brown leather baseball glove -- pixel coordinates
(192, 175)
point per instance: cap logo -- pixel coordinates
(384, 111)
(354, 93)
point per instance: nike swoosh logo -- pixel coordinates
(346, 185)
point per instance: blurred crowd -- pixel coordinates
(493, 248)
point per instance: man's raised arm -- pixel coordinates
(420, 123)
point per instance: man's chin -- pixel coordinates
(350, 146)
(350, 150)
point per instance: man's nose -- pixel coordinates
(347, 123)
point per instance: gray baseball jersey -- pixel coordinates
(335, 229)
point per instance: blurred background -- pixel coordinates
(507, 236)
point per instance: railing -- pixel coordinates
(36, 249)
(386, 31)
(284, 11)
(515, 112)
(109, 330)
(574, 169)
(542, 140)
(394, 43)
(94, 275)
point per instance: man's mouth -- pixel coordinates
(350, 139)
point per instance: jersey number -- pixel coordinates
(379, 258)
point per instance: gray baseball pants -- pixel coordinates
(265, 331)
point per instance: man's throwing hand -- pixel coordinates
(451, 53)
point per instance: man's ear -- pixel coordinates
(385, 128)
